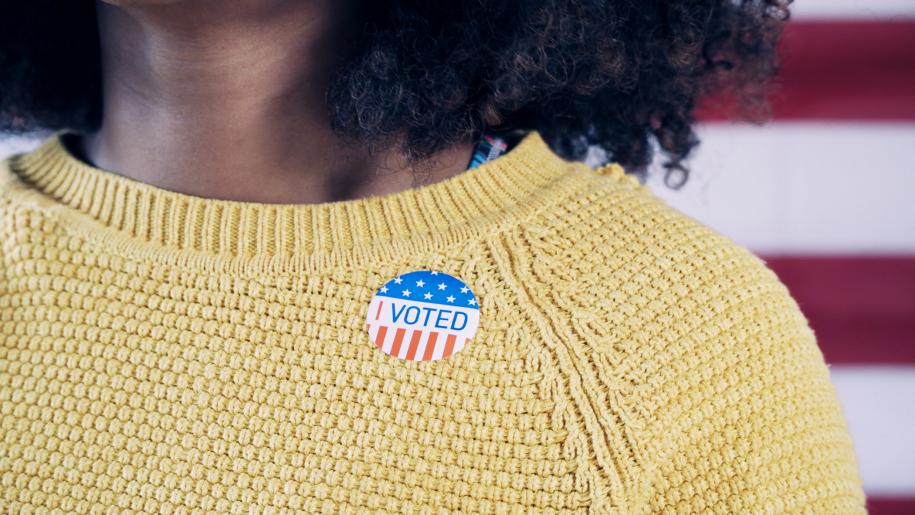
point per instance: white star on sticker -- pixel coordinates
(420, 283)
(427, 295)
(450, 298)
(441, 286)
(472, 302)
(433, 273)
(406, 293)
(464, 289)
(384, 289)
(397, 280)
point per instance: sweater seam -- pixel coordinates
(611, 483)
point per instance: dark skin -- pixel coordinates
(225, 99)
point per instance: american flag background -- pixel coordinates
(825, 193)
(424, 315)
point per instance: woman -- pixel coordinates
(345, 257)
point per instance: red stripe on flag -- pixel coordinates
(862, 309)
(449, 345)
(891, 505)
(430, 346)
(379, 338)
(414, 345)
(844, 70)
(398, 337)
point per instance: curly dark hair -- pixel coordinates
(624, 76)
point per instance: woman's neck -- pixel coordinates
(226, 100)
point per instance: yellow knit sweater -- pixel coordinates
(164, 352)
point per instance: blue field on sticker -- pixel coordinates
(430, 286)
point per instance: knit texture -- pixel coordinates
(163, 352)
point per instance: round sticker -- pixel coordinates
(423, 316)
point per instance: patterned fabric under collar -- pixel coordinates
(488, 148)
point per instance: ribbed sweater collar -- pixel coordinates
(460, 206)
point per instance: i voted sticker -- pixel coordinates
(423, 316)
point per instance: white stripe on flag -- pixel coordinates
(807, 187)
(421, 349)
(439, 346)
(852, 9)
(878, 403)
(388, 340)
(405, 343)
(459, 344)
(373, 330)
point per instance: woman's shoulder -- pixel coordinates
(614, 231)
(636, 279)
(690, 341)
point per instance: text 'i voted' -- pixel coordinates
(422, 316)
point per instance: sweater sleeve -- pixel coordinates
(744, 410)
(694, 373)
